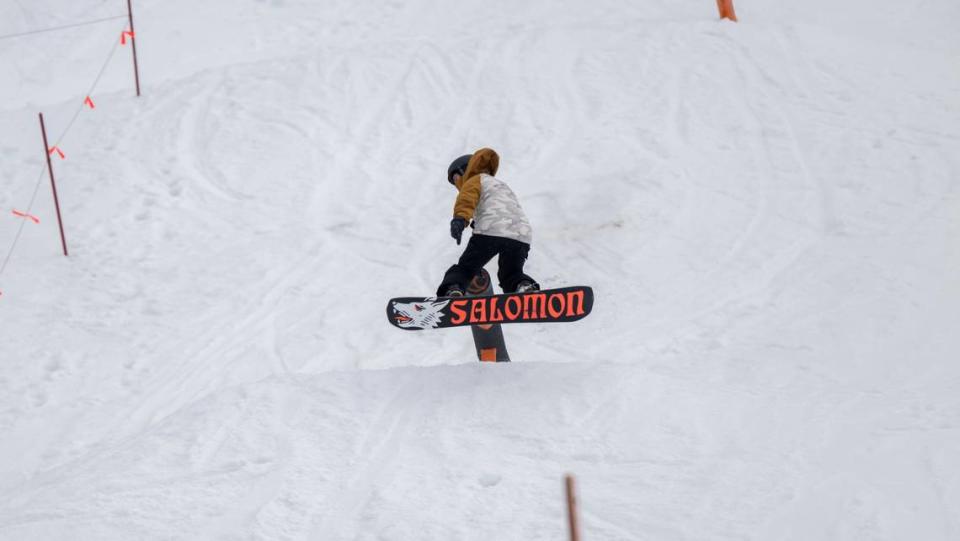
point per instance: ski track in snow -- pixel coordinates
(768, 213)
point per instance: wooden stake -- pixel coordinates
(572, 509)
(53, 183)
(133, 42)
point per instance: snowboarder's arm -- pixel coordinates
(467, 201)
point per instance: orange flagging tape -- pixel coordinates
(25, 215)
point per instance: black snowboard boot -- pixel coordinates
(453, 291)
(526, 286)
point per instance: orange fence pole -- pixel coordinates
(726, 10)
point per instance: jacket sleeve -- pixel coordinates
(467, 201)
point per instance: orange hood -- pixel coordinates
(483, 161)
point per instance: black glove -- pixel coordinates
(456, 228)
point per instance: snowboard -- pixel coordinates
(546, 306)
(487, 339)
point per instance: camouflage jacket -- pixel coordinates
(489, 202)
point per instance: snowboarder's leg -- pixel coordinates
(480, 250)
(513, 255)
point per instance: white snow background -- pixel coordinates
(768, 212)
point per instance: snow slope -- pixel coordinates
(768, 212)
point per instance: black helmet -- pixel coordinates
(458, 166)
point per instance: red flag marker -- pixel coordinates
(123, 37)
(25, 215)
(58, 151)
(89, 103)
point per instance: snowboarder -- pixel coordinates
(499, 224)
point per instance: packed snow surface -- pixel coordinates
(768, 212)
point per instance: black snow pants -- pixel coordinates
(480, 250)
